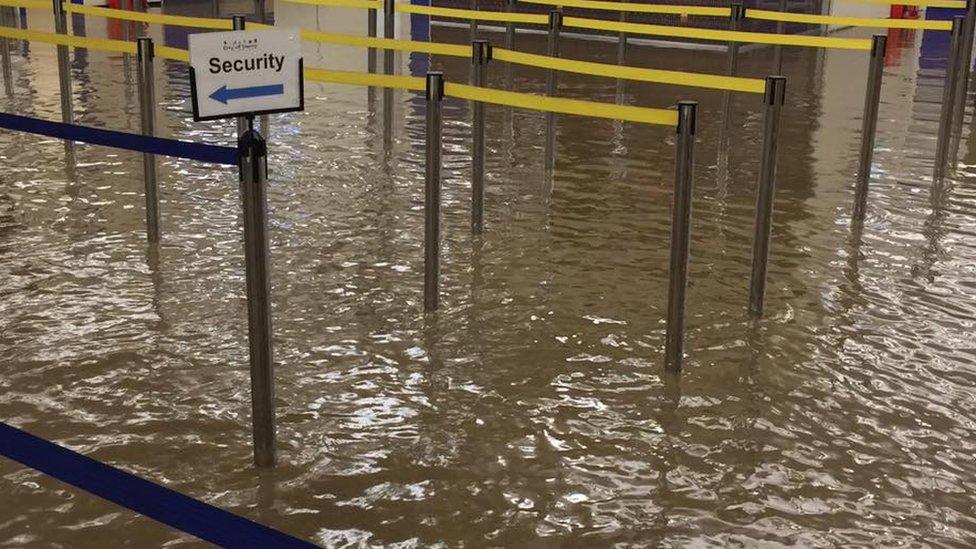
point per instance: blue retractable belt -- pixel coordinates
(147, 498)
(121, 140)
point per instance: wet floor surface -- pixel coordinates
(532, 408)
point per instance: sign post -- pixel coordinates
(248, 73)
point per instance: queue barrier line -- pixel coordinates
(27, 4)
(644, 115)
(173, 20)
(646, 29)
(956, 4)
(174, 54)
(352, 4)
(103, 44)
(436, 48)
(705, 11)
(801, 40)
(677, 78)
(400, 82)
(411, 83)
(147, 498)
(457, 13)
(121, 140)
(848, 21)
(499, 97)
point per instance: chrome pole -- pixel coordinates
(962, 82)
(778, 51)
(389, 31)
(64, 67)
(869, 123)
(254, 170)
(736, 14)
(510, 27)
(552, 49)
(948, 98)
(473, 5)
(774, 99)
(371, 32)
(480, 56)
(147, 108)
(432, 192)
(680, 234)
(6, 19)
(238, 24)
(622, 41)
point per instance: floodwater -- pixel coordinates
(531, 410)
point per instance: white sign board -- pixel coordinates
(245, 72)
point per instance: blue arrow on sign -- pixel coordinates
(225, 94)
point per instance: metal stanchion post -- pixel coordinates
(510, 45)
(948, 98)
(147, 108)
(552, 48)
(254, 170)
(962, 82)
(388, 32)
(432, 192)
(474, 22)
(6, 19)
(260, 12)
(684, 169)
(774, 99)
(371, 32)
(64, 67)
(480, 56)
(510, 27)
(736, 14)
(242, 124)
(622, 41)
(869, 123)
(778, 52)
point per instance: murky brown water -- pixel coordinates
(531, 410)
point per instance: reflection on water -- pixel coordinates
(533, 404)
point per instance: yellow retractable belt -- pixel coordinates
(435, 48)
(175, 20)
(454, 13)
(563, 106)
(707, 11)
(849, 21)
(353, 4)
(28, 4)
(698, 80)
(960, 4)
(721, 36)
(102, 44)
(176, 54)
(412, 83)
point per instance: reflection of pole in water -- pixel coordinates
(934, 229)
(388, 121)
